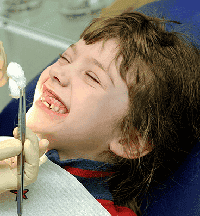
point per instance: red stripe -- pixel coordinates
(87, 173)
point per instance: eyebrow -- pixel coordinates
(94, 61)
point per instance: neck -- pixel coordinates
(107, 156)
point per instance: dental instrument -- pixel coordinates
(17, 84)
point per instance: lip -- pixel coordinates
(48, 111)
(45, 89)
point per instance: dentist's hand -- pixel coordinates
(34, 157)
(3, 66)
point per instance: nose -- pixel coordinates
(61, 75)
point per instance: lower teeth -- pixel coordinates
(59, 111)
(55, 109)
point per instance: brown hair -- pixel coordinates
(162, 72)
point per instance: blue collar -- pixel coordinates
(92, 174)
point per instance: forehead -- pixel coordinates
(104, 51)
(101, 47)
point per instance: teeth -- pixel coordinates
(58, 103)
(61, 111)
(53, 106)
(46, 104)
(56, 109)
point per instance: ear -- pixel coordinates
(132, 151)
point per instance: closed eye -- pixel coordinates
(61, 56)
(97, 81)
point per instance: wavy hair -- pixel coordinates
(162, 72)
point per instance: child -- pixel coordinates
(133, 109)
(118, 106)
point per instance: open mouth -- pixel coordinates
(53, 101)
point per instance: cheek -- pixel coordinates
(118, 103)
(111, 109)
(43, 78)
(45, 75)
(92, 112)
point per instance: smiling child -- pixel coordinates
(89, 85)
(124, 97)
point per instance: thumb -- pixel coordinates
(43, 144)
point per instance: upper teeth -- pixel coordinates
(53, 107)
(46, 103)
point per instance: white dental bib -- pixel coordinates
(55, 192)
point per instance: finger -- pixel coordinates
(3, 57)
(10, 148)
(2, 52)
(1, 65)
(3, 74)
(31, 148)
(15, 133)
(43, 159)
(43, 145)
(3, 80)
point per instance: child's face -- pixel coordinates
(93, 108)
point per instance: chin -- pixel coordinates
(33, 121)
